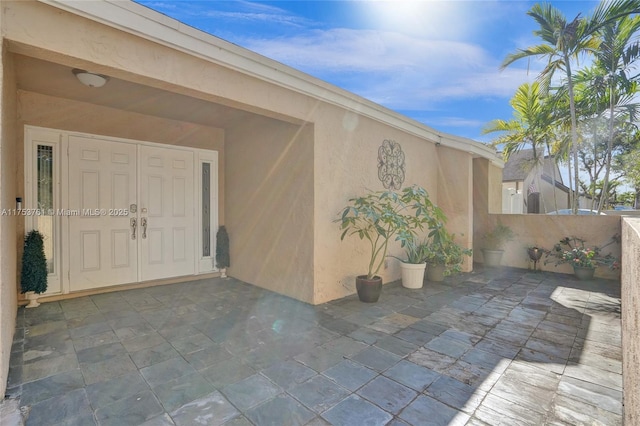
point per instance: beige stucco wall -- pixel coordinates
(346, 165)
(8, 224)
(269, 206)
(631, 319)
(546, 230)
(455, 196)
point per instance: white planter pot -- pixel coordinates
(412, 274)
(33, 299)
(492, 257)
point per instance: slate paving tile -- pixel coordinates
(503, 349)
(432, 360)
(412, 375)
(118, 365)
(426, 410)
(429, 327)
(145, 341)
(467, 373)
(319, 393)
(486, 360)
(320, 359)
(95, 340)
(161, 420)
(107, 392)
(340, 326)
(175, 393)
(356, 411)
(134, 330)
(466, 338)
(594, 375)
(550, 362)
(250, 392)
(288, 374)
(207, 357)
(51, 386)
(367, 335)
(60, 409)
(376, 359)
(456, 394)
(193, 343)
(591, 393)
(350, 375)
(570, 411)
(448, 346)
(166, 370)
(345, 345)
(497, 411)
(89, 329)
(101, 353)
(154, 355)
(46, 328)
(387, 394)
(131, 410)
(397, 346)
(532, 397)
(281, 410)
(417, 337)
(47, 367)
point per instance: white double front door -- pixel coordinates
(136, 212)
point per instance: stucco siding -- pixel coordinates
(631, 319)
(546, 230)
(8, 223)
(269, 209)
(346, 158)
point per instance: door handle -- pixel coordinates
(143, 223)
(134, 224)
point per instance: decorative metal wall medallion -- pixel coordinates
(391, 168)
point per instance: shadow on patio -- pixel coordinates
(493, 347)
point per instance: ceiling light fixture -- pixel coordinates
(90, 79)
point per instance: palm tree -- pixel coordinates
(564, 42)
(615, 57)
(530, 125)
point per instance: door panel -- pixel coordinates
(102, 180)
(167, 205)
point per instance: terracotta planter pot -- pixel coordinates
(583, 273)
(368, 290)
(412, 274)
(435, 273)
(492, 258)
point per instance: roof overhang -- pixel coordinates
(148, 24)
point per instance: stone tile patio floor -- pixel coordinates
(506, 347)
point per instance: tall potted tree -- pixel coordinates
(33, 276)
(379, 216)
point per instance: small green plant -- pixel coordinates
(222, 248)
(572, 250)
(416, 252)
(33, 276)
(443, 250)
(498, 237)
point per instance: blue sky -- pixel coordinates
(434, 61)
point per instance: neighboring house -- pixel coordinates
(528, 187)
(191, 132)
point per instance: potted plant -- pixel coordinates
(494, 242)
(33, 276)
(414, 264)
(222, 251)
(379, 216)
(444, 255)
(583, 259)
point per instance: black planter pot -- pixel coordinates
(368, 290)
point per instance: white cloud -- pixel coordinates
(399, 71)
